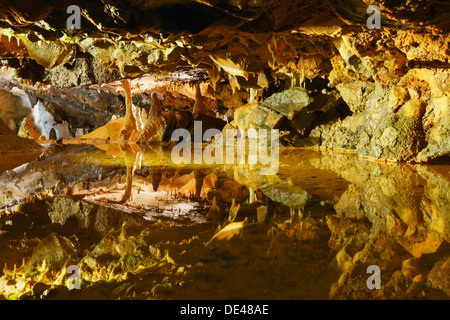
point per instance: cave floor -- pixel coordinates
(122, 222)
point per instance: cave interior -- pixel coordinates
(129, 168)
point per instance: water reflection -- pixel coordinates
(349, 213)
(409, 202)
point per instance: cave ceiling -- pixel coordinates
(248, 39)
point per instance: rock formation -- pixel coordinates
(391, 82)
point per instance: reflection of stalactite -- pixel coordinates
(130, 161)
(156, 176)
(199, 177)
(129, 185)
(214, 212)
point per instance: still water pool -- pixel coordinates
(138, 226)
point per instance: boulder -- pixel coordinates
(288, 102)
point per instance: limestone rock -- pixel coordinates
(253, 115)
(84, 71)
(355, 94)
(288, 102)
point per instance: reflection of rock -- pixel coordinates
(57, 166)
(350, 204)
(273, 187)
(4, 129)
(56, 250)
(119, 252)
(410, 207)
(389, 216)
(435, 202)
(291, 196)
(91, 216)
(231, 190)
(114, 244)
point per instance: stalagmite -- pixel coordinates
(159, 126)
(198, 106)
(129, 125)
(154, 117)
(199, 114)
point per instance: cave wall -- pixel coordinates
(382, 93)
